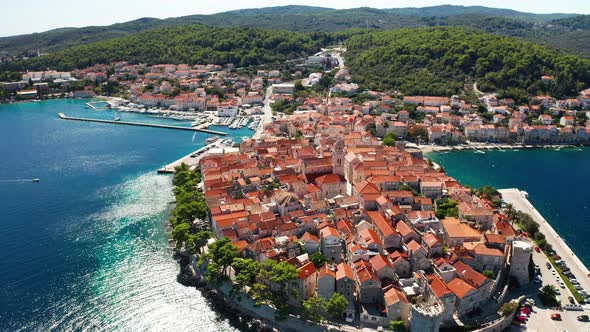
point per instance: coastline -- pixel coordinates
(426, 149)
(578, 268)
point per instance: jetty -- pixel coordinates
(192, 159)
(142, 124)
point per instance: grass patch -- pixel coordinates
(557, 268)
(566, 280)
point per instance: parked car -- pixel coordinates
(571, 299)
(583, 318)
(556, 316)
(573, 307)
(537, 249)
(548, 265)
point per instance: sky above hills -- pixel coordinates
(22, 17)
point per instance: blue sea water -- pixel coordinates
(558, 184)
(87, 247)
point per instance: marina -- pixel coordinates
(141, 124)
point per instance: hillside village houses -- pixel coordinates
(218, 88)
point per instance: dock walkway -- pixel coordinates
(142, 124)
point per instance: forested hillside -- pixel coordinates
(438, 61)
(186, 44)
(566, 31)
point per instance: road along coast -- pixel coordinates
(521, 203)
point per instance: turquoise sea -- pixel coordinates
(86, 249)
(558, 183)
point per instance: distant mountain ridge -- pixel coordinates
(567, 31)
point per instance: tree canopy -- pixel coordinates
(191, 44)
(438, 61)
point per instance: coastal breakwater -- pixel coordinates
(520, 202)
(141, 124)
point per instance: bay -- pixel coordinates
(86, 248)
(557, 182)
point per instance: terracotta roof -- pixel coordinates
(329, 179)
(393, 296)
(455, 228)
(329, 231)
(309, 237)
(482, 249)
(343, 270)
(460, 288)
(438, 286)
(382, 224)
(307, 270)
(327, 271)
(431, 240)
(370, 236)
(468, 274)
(365, 187)
(414, 246)
(494, 238)
(365, 272)
(404, 229)
(380, 261)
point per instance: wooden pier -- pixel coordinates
(142, 124)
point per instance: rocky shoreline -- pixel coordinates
(220, 302)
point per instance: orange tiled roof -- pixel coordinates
(460, 288)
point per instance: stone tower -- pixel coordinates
(338, 155)
(426, 317)
(522, 249)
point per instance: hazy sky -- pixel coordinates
(20, 17)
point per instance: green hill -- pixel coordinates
(437, 61)
(189, 44)
(560, 30)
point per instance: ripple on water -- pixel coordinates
(134, 288)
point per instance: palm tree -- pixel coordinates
(510, 212)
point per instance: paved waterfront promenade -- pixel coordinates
(580, 271)
(169, 169)
(267, 117)
(426, 148)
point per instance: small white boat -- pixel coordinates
(117, 119)
(36, 180)
(479, 152)
(524, 194)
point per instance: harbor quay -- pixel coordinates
(521, 203)
(141, 124)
